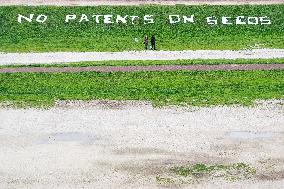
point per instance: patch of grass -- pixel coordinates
(197, 88)
(163, 180)
(56, 35)
(156, 62)
(184, 175)
(236, 171)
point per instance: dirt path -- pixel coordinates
(62, 57)
(135, 2)
(145, 68)
(124, 145)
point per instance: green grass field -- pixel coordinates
(162, 88)
(56, 35)
(196, 88)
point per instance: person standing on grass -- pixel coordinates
(146, 42)
(153, 42)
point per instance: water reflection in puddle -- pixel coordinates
(69, 137)
(249, 135)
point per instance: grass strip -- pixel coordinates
(197, 88)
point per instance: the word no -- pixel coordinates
(40, 18)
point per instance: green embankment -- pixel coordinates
(56, 35)
(184, 87)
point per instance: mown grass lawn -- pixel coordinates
(196, 88)
(56, 35)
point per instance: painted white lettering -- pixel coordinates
(107, 19)
(211, 20)
(239, 20)
(97, 18)
(264, 20)
(172, 20)
(29, 19)
(133, 18)
(41, 18)
(225, 20)
(121, 19)
(252, 20)
(188, 19)
(148, 19)
(84, 18)
(70, 17)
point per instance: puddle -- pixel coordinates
(69, 137)
(249, 135)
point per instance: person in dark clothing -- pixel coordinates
(153, 42)
(146, 42)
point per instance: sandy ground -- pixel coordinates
(108, 144)
(61, 57)
(135, 2)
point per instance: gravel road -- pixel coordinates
(135, 2)
(62, 57)
(109, 144)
